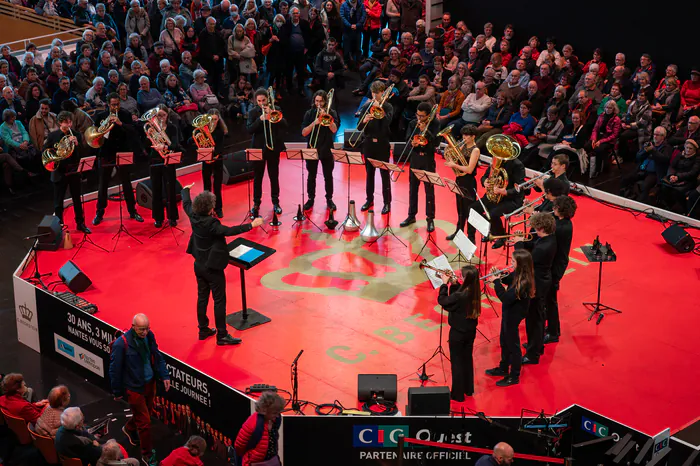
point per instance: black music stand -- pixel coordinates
(206, 154)
(599, 253)
(303, 154)
(173, 158)
(434, 179)
(86, 164)
(251, 155)
(246, 254)
(123, 159)
(348, 158)
(454, 188)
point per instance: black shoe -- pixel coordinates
(508, 381)
(219, 213)
(551, 338)
(308, 205)
(98, 219)
(255, 211)
(158, 224)
(407, 222)
(458, 399)
(497, 372)
(366, 206)
(136, 216)
(431, 225)
(204, 334)
(331, 205)
(227, 341)
(498, 244)
(527, 360)
(452, 236)
(172, 222)
(133, 436)
(386, 209)
(82, 227)
(277, 209)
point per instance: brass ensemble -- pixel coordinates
(95, 135)
(155, 132)
(453, 153)
(202, 131)
(375, 110)
(324, 115)
(453, 276)
(502, 148)
(532, 181)
(275, 116)
(414, 140)
(504, 272)
(63, 149)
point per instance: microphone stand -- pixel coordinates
(296, 405)
(37, 276)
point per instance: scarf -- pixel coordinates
(450, 97)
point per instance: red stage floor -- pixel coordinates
(358, 309)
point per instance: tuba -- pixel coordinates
(453, 153)
(202, 131)
(154, 132)
(52, 156)
(502, 148)
(95, 135)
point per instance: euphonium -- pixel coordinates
(95, 135)
(502, 148)
(202, 131)
(453, 153)
(63, 149)
(155, 133)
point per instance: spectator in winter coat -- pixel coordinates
(616, 96)
(372, 24)
(653, 162)
(101, 16)
(511, 88)
(411, 12)
(261, 430)
(354, 16)
(13, 401)
(636, 127)
(138, 22)
(603, 138)
(173, 10)
(329, 67)
(81, 14)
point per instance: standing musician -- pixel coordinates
(164, 175)
(321, 138)
(564, 211)
(466, 181)
(553, 188)
(543, 249)
(422, 158)
(259, 125)
(376, 146)
(59, 178)
(208, 247)
(119, 139)
(463, 305)
(515, 304)
(218, 131)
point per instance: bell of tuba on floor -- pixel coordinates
(502, 148)
(52, 156)
(369, 232)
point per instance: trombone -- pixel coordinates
(526, 237)
(414, 140)
(531, 182)
(275, 116)
(504, 272)
(326, 119)
(525, 221)
(375, 110)
(523, 207)
(451, 274)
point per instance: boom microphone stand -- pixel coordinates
(296, 405)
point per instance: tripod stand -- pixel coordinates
(439, 351)
(123, 158)
(348, 158)
(85, 164)
(600, 254)
(304, 154)
(37, 276)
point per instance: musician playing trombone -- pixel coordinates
(163, 175)
(422, 139)
(467, 180)
(319, 127)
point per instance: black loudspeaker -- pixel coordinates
(379, 385)
(678, 238)
(50, 226)
(428, 401)
(144, 193)
(76, 280)
(236, 168)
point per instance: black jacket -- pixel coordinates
(458, 307)
(67, 165)
(543, 251)
(286, 34)
(324, 144)
(564, 234)
(208, 241)
(256, 129)
(686, 169)
(516, 175)
(376, 145)
(423, 157)
(118, 140)
(69, 443)
(512, 304)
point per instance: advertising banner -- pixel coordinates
(26, 314)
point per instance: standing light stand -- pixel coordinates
(349, 159)
(123, 159)
(172, 158)
(251, 155)
(303, 154)
(391, 168)
(84, 165)
(439, 351)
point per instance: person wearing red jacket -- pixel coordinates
(257, 440)
(372, 25)
(690, 94)
(14, 403)
(189, 455)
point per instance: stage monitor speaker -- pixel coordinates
(144, 193)
(50, 226)
(678, 238)
(380, 385)
(72, 276)
(428, 401)
(236, 168)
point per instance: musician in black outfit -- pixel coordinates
(511, 200)
(515, 304)
(553, 188)
(120, 139)
(323, 137)
(208, 247)
(258, 124)
(543, 248)
(463, 305)
(215, 168)
(64, 176)
(422, 158)
(559, 166)
(564, 209)
(165, 175)
(376, 146)
(467, 179)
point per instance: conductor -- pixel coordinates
(208, 247)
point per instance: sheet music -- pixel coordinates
(245, 253)
(464, 245)
(480, 223)
(441, 263)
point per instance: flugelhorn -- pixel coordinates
(414, 140)
(504, 272)
(201, 134)
(95, 135)
(325, 119)
(155, 132)
(532, 181)
(63, 149)
(375, 109)
(451, 274)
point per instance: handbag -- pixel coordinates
(191, 107)
(210, 99)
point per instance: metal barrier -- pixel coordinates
(62, 26)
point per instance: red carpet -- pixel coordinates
(358, 309)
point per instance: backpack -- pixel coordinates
(236, 459)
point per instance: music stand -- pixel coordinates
(348, 158)
(434, 179)
(172, 158)
(303, 154)
(246, 254)
(251, 155)
(206, 154)
(454, 188)
(600, 254)
(86, 164)
(123, 159)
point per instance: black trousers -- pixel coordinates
(552, 310)
(368, 38)
(462, 362)
(272, 161)
(495, 210)
(217, 170)
(623, 146)
(637, 185)
(511, 355)
(413, 186)
(369, 185)
(59, 193)
(327, 165)
(296, 61)
(124, 173)
(210, 281)
(534, 325)
(164, 176)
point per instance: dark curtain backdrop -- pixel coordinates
(666, 31)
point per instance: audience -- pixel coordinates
(73, 441)
(50, 419)
(14, 399)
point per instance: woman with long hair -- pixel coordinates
(335, 22)
(215, 169)
(463, 305)
(515, 303)
(467, 180)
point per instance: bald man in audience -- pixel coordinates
(502, 455)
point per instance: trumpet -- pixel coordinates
(95, 135)
(275, 116)
(532, 181)
(525, 221)
(523, 207)
(63, 149)
(453, 276)
(155, 132)
(416, 140)
(504, 272)
(526, 237)
(325, 119)
(375, 110)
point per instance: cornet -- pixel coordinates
(504, 272)
(452, 275)
(375, 109)
(415, 140)
(532, 181)
(324, 114)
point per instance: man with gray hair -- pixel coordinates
(590, 87)
(72, 441)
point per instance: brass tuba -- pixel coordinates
(453, 153)
(202, 131)
(502, 148)
(95, 135)
(52, 156)
(154, 132)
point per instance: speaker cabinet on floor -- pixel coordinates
(74, 278)
(236, 168)
(50, 227)
(428, 401)
(379, 385)
(678, 238)
(144, 193)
